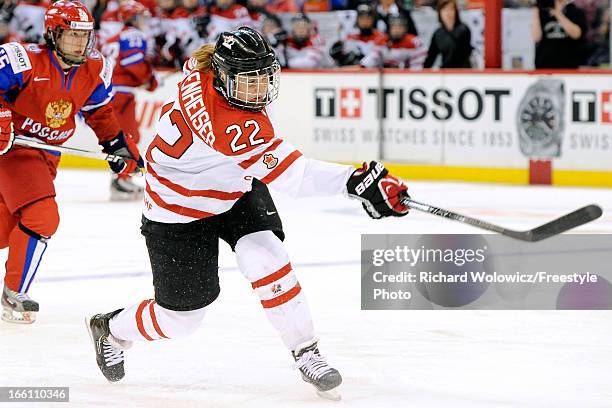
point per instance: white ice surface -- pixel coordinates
(97, 262)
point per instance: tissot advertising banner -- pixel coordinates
(486, 120)
(475, 120)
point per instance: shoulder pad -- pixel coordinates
(107, 71)
(18, 57)
(95, 55)
(101, 66)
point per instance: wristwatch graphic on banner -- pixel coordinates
(540, 119)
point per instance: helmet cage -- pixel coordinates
(53, 37)
(251, 89)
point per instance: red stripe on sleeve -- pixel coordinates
(280, 169)
(254, 159)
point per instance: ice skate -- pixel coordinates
(18, 307)
(316, 371)
(109, 350)
(125, 189)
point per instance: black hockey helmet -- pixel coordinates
(397, 26)
(366, 18)
(366, 9)
(246, 69)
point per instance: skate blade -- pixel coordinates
(332, 395)
(12, 316)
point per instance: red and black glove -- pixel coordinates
(379, 192)
(123, 145)
(7, 135)
(152, 84)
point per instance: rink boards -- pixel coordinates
(519, 127)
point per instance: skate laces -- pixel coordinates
(312, 364)
(112, 354)
(22, 297)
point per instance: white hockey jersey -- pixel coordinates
(206, 154)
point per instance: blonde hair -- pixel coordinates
(203, 56)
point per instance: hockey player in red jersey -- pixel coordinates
(42, 88)
(127, 51)
(208, 170)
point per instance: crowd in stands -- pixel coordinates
(380, 33)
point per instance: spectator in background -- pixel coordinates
(304, 48)
(189, 9)
(226, 15)
(404, 50)
(276, 36)
(387, 8)
(28, 20)
(257, 13)
(365, 47)
(558, 29)
(452, 39)
(6, 36)
(282, 6)
(600, 54)
(184, 31)
(167, 7)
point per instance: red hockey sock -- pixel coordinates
(28, 241)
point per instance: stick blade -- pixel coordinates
(564, 223)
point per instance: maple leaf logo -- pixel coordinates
(270, 161)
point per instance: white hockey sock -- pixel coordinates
(149, 321)
(263, 260)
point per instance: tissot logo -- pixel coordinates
(350, 102)
(583, 106)
(415, 103)
(606, 107)
(325, 102)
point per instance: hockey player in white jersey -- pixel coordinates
(208, 169)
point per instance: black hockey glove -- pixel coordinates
(336, 51)
(123, 145)
(379, 192)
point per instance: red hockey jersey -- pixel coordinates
(45, 100)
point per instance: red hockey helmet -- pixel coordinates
(69, 31)
(131, 9)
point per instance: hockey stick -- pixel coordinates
(69, 150)
(557, 226)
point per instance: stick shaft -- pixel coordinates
(68, 150)
(557, 226)
(441, 212)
